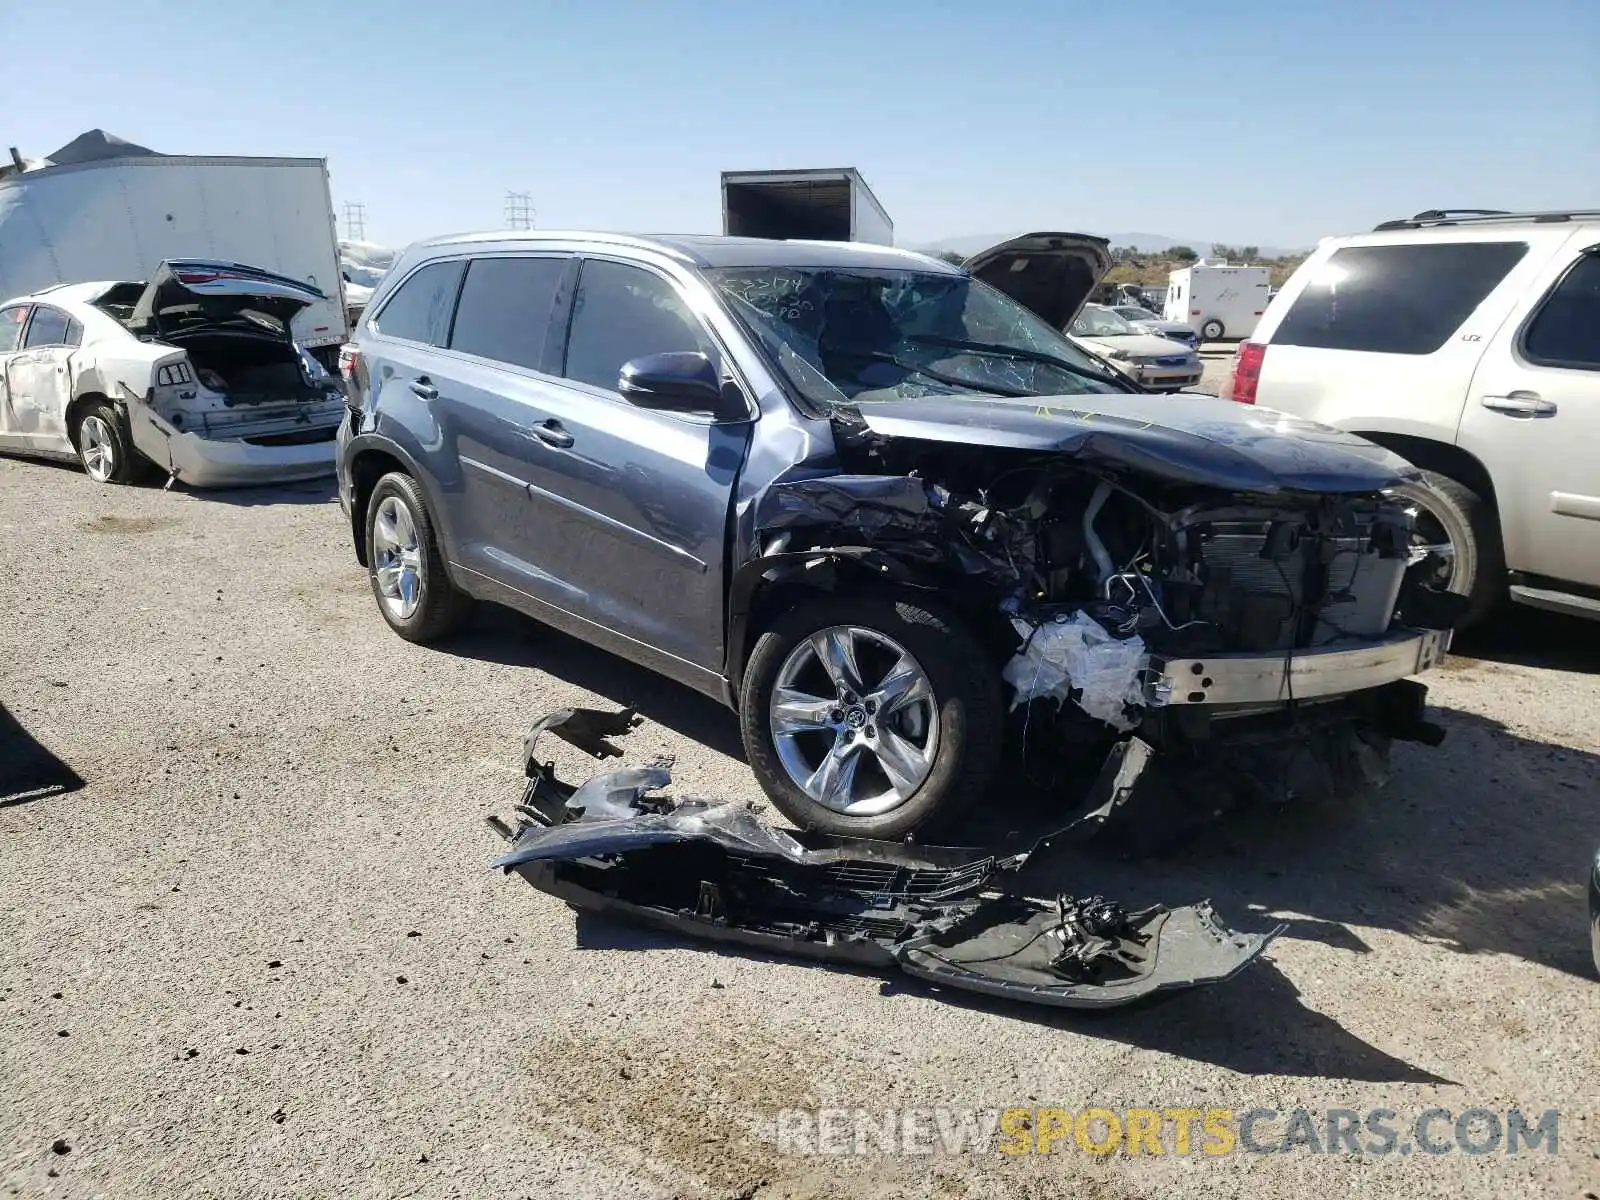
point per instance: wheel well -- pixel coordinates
(76, 408)
(772, 598)
(366, 469)
(1439, 457)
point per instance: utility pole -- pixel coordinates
(355, 221)
(519, 210)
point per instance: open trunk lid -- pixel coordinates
(1050, 274)
(192, 293)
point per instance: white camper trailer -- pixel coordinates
(1219, 300)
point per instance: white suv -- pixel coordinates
(1469, 343)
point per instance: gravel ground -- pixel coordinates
(258, 952)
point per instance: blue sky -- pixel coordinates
(1255, 121)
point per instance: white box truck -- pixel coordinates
(118, 218)
(830, 205)
(1219, 300)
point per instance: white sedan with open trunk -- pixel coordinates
(195, 371)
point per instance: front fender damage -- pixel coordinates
(949, 915)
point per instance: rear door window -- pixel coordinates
(11, 322)
(1401, 299)
(620, 313)
(504, 310)
(419, 310)
(48, 328)
(1565, 331)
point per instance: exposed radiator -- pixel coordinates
(1258, 598)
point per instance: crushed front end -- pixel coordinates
(1255, 631)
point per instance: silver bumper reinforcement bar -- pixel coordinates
(1302, 675)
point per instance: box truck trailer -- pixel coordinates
(830, 205)
(119, 218)
(1219, 300)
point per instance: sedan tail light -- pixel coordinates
(349, 356)
(1247, 371)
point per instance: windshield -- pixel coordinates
(1136, 314)
(854, 336)
(1095, 321)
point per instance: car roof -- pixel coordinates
(707, 250)
(1471, 226)
(64, 293)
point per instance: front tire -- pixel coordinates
(414, 591)
(1469, 524)
(104, 450)
(1212, 331)
(871, 715)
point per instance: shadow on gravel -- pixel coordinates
(499, 635)
(1526, 637)
(1480, 846)
(29, 771)
(1254, 1025)
(311, 491)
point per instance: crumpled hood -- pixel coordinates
(1188, 439)
(199, 292)
(1139, 345)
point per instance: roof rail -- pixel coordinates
(1485, 216)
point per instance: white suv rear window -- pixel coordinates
(1399, 299)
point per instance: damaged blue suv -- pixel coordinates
(880, 506)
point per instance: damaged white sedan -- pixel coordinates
(195, 371)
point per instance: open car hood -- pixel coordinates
(942, 913)
(1050, 274)
(1188, 439)
(197, 292)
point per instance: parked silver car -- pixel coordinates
(1157, 362)
(1146, 321)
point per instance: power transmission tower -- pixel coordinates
(355, 221)
(519, 210)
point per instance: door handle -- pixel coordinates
(1520, 404)
(552, 433)
(423, 388)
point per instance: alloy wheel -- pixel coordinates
(97, 448)
(397, 558)
(854, 720)
(1430, 537)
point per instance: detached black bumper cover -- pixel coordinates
(712, 870)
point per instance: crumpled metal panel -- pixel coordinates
(1198, 440)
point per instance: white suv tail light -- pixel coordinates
(1246, 372)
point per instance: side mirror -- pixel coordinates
(679, 381)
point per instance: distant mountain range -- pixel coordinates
(972, 243)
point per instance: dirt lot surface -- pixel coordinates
(258, 952)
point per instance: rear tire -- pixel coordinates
(405, 566)
(1472, 527)
(954, 731)
(1213, 331)
(104, 449)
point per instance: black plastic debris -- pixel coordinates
(713, 870)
